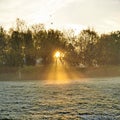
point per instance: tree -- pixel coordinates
(71, 55)
(51, 41)
(29, 48)
(16, 49)
(86, 45)
(39, 34)
(2, 44)
(20, 25)
(109, 48)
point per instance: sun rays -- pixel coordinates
(60, 73)
(57, 74)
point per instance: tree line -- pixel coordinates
(23, 45)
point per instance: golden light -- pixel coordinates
(60, 72)
(57, 54)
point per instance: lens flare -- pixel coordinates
(57, 54)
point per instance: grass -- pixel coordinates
(103, 71)
(40, 72)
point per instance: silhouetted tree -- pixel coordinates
(29, 48)
(109, 48)
(2, 44)
(53, 40)
(23, 45)
(87, 46)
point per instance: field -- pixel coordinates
(60, 93)
(83, 99)
(41, 72)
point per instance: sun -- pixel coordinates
(57, 54)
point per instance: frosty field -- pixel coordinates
(84, 99)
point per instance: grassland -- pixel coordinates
(41, 72)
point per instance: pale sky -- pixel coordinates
(102, 15)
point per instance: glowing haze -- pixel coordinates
(103, 15)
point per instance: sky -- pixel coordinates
(102, 15)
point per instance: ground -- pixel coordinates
(83, 99)
(60, 92)
(53, 71)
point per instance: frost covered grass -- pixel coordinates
(84, 99)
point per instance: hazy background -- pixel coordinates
(103, 15)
